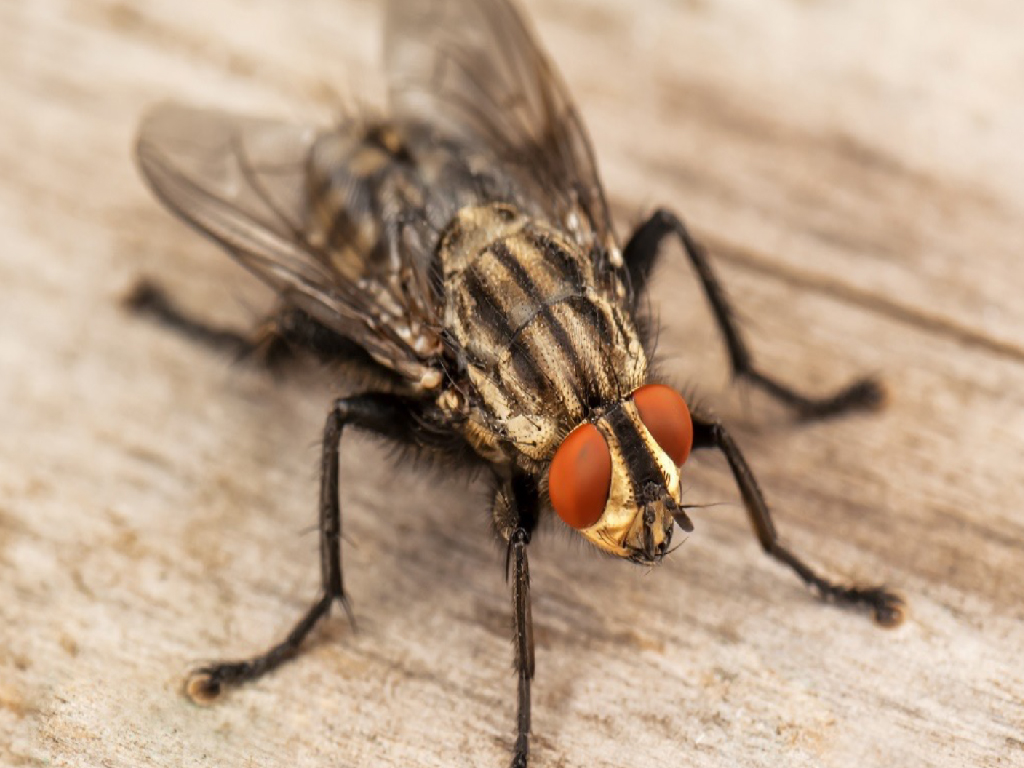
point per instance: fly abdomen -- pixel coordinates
(361, 179)
(544, 346)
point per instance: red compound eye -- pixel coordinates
(580, 476)
(667, 418)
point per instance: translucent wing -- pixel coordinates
(473, 69)
(244, 182)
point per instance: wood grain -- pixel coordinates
(858, 172)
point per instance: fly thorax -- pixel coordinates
(541, 343)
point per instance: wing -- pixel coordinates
(474, 69)
(244, 183)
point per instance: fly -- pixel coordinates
(459, 254)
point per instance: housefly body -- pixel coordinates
(459, 253)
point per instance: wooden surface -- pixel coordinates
(857, 168)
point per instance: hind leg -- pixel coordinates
(272, 343)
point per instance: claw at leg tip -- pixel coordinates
(201, 689)
(891, 614)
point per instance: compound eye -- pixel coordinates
(664, 413)
(580, 476)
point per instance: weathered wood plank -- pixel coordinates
(858, 172)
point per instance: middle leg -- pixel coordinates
(384, 414)
(640, 256)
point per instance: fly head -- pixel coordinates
(615, 479)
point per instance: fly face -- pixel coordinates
(616, 480)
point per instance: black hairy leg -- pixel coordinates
(266, 344)
(515, 517)
(272, 343)
(384, 414)
(886, 606)
(640, 256)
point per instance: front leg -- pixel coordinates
(383, 414)
(640, 256)
(886, 606)
(515, 518)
